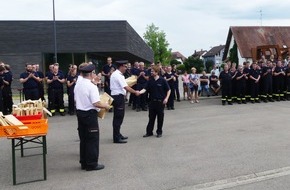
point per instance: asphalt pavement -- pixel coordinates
(204, 146)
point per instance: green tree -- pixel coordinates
(193, 62)
(209, 65)
(234, 54)
(175, 62)
(157, 41)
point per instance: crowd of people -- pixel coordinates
(264, 80)
(157, 88)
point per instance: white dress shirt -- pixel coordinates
(86, 94)
(117, 83)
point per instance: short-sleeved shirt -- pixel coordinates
(254, 73)
(211, 82)
(168, 76)
(142, 79)
(185, 79)
(242, 80)
(71, 78)
(278, 70)
(31, 83)
(86, 94)
(157, 89)
(106, 69)
(7, 76)
(269, 74)
(55, 84)
(203, 77)
(117, 83)
(225, 77)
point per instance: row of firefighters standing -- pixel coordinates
(32, 81)
(266, 82)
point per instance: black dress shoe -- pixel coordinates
(123, 137)
(159, 135)
(147, 135)
(98, 167)
(120, 141)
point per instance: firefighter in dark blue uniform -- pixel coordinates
(7, 92)
(159, 92)
(2, 69)
(71, 82)
(106, 72)
(226, 85)
(133, 97)
(55, 80)
(247, 69)
(267, 83)
(254, 78)
(240, 78)
(288, 82)
(30, 79)
(279, 75)
(170, 78)
(40, 84)
(142, 78)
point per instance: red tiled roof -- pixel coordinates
(248, 37)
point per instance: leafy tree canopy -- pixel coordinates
(157, 41)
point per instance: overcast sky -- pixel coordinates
(188, 24)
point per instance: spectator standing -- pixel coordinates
(226, 85)
(30, 80)
(215, 70)
(2, 69)
(185, 82)
(6, 91)
(71, 82)
(279, 79)
(254, 83)
(240, 78)
(40, 83)
(142, 79)
(55, 81)
(193, 85)
(106, 72)
(170, 78)
(176, 83)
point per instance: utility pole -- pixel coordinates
(54, 28)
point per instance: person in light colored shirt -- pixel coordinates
(88, 104)
(118, 87)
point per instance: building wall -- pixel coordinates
(17, 64)
(72, 37)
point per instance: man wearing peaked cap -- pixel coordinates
(121, 63)
(87, 68)
(88, 104)
(118, 88)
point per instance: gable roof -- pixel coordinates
(198, 53)
(248, 37)
(213, 51)
(178, 55)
